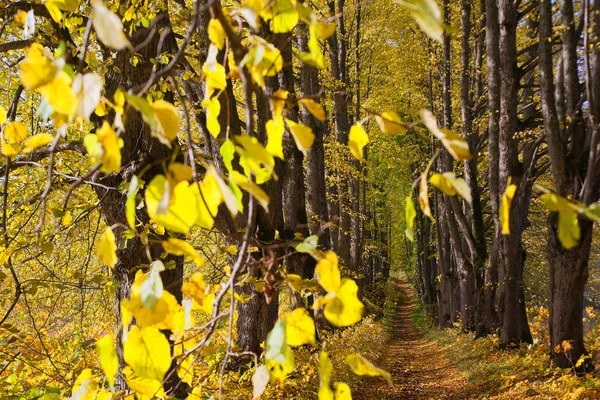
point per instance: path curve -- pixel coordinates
(418, 366)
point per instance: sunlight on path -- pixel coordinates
(419, 368)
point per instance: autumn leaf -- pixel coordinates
(361, 366)
(36, 141)
(507, 197)
(167, 120)
(410, 215)
(328, 272)
(108, 27)
(107, 248)
(344, 308)
(147, 352)
(37, 69)
(314, 108)
(108, 358)
(300, 328)
(216, 34)
(390, 123)
(303, 135)
(357, 140)
(180, 247)
(456, 146)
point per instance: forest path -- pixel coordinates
(419, 368)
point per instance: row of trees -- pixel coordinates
(184, 95)
(524, 77)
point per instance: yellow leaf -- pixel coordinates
(101, 109)
(263, 59)
(107, 248)
(15, 132)
(108, 27)
(176, 209)
(325, 370)
(227, 194)
(428, 16)
(278, 100)
(180, 247)
(303, 135)
(361, 366)
(197, 289)
(209, 197)
(65, 5)
(275, 130)
(104, 146)
(36, 69)
(456, 146)
(213, 109)
(85, 386)
(3, 115)
(216, 34)
(507, 197)
(20, 17)
(344, 309)
(147, 352)
(254, 155)
(328, 272)
(410, 215)
(159, 316)
(214, 72)
(167, 120)
(558, 203)
(568, 229)
(36, 141)
(342, 391)
(357, 139)
(60, 96)
(256, 191)
(314, 108)
(144, 388)
(390, 123)
(108, 358)
(300, 328)
(451, 185)
(285, 16)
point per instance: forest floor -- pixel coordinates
(419, 368)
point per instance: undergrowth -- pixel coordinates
(368, 337)
(523, 373)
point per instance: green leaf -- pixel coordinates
(130, 205)
(309, 244)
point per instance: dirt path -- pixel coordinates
(419, 368)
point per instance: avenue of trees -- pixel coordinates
(196, 188)
(521, 83)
